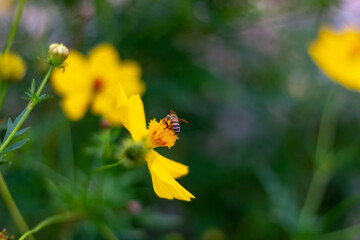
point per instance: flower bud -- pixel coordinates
(134, 207)
(132, 153)
(58, 53)
(12, 67)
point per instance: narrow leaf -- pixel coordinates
(33, 85)
(44, 97)
(21, 131)
(15, 146)
(17, 120)
(10, 127)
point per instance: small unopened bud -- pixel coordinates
(134, 207)
(105, 124)
(58, 53)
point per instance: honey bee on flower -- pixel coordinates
(172, 121)
(163, 171)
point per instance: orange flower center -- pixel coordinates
(160, 135)
(98, 84)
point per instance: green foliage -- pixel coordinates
(239, 72)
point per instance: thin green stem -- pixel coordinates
(13, 209)
(11, 205)
(107, 232)
(323, 164)
(3, 89)
(105, 167)
(8, 43)
(14, 26)
(29, 107)
(44, 80)
(64, 217)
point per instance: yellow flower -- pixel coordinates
(93, 82)
(163, 171)
(337, 53)
(12, 67)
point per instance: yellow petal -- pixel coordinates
(103, 57)
(75, 78)
(175, 169)
(337, 53)
(165, 186)
(133, 114)
(75, 105)
(117, 117)
(129, 76)
(137, 120)
(122, 99)
(103, 103)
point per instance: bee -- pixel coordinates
(172, 121)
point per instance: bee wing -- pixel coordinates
(172, 112)
(183, 120)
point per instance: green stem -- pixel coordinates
(44, 81)
(107, 232)
(323, 164)
(29, 107)
(314, 196)
(64, 217)
(105, 167)
(14, 26)
(3, 89)
(11, 205)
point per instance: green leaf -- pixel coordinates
(32, 87)
(17, 120)
(21, 131)
(44, 97)
(15, 146)
(10, 127)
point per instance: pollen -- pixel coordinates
(160, 135)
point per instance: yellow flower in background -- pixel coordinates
(12, 67)
(163, 170)
(337, 53)
(93, 82)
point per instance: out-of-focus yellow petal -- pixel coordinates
(103, 103)
(102, 57)
(175, 169)
(165, 186)
(75, 106)
(12, 67)
(75, 78)
(129, 76)
(337, 53)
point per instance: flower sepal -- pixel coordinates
(132, 153)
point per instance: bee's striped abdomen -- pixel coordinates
(175, 125)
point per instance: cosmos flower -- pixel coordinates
(12, 67)
(163, 171)
(93, 82)
(337, 53)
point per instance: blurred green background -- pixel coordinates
(237, 70)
